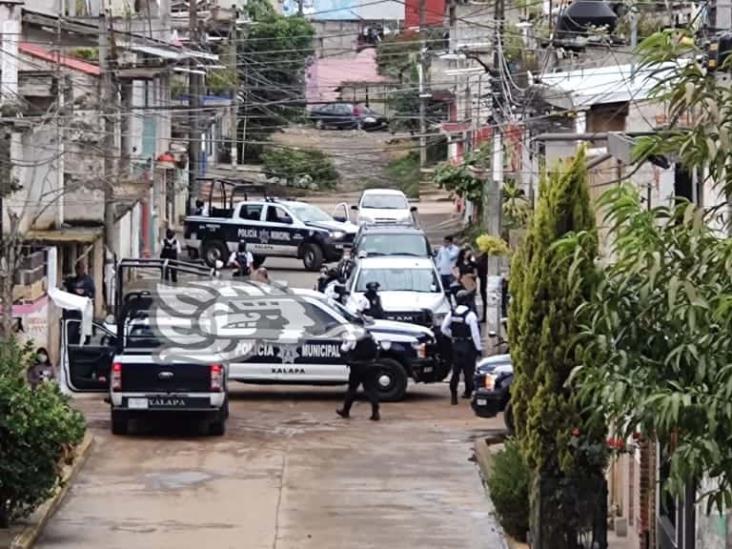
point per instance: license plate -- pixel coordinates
(481, 402)
(428, 369)
(137, 403)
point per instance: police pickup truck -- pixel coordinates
(271, 227)
(131, 367)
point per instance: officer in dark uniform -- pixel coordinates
(345, 265)
(170, 250)
(461, 326)
(372, 303)
(242, 259)
(361, 373)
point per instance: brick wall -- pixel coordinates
(647, 496)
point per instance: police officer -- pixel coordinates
(361, 373)
(461, 326)
(334, 288)
(345, 265)
(242, 259)
(170, 250)
(372, 301)
(200, 208)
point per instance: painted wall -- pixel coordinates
(344, 10)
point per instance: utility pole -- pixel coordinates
(109, 100)
(233, 122)
(195, 90)
(299, 8)
(422, 94)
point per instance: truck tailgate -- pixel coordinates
(143, 376)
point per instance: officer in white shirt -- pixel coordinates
(461, 326)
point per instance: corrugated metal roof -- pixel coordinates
(584, 88)
(73, 63)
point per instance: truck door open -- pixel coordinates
(87, 364)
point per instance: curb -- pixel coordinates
(27, 537)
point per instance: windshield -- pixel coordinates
(394, 244)
(385, 202)
(399, 280)
(309, 214)
(345, 313)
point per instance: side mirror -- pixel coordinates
(339, 218)
(413, 209)
(354, 208)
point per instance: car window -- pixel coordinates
(394, 244)
(98, 337)
(399, 280)
(323, 321)
(275, 214)
(309, 213)
(252, 212)
(385, 202)
(344, 109)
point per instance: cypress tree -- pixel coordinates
(547, 285)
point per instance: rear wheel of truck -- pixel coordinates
(214, 250)
(120, 423)
(391, 380)
(312, 257)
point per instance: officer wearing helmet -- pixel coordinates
(461, 326)
(370, 304)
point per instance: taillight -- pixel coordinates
(217, 377)
(116, 376)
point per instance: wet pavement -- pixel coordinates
(289, 474)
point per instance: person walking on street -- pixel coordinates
(445, 261)
(361, 373)
(170, 249)
(461, 326)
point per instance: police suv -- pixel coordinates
(410, 288)
(271, 227)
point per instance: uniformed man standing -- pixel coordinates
(170, 250)
(361, 373)
(461, 326)
(371, 304)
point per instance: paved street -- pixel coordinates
(289, 474)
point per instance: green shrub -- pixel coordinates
(293, 165)
(37, 429)
(508, 484)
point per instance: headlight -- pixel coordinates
(490, 382)
(337, 235)
(421, 349)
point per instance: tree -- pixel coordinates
(559, 444)
(657, 354)
(272, 64)
(37, 428)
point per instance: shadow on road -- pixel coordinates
(336, 393)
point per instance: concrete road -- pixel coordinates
(289, 474)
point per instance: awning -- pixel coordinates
(84, 235)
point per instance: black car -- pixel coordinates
(347, 115)
(391, 239)
(492, 395)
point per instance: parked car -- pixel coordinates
(492, 394)
(384, 206)
(388, 239)
(347, 115)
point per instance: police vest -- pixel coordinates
(170, 247)
(459, 326)
(375, 309)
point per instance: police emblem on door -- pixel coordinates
(264, 237)
(288, 354)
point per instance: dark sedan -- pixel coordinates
(347, 115)
(493, 378)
